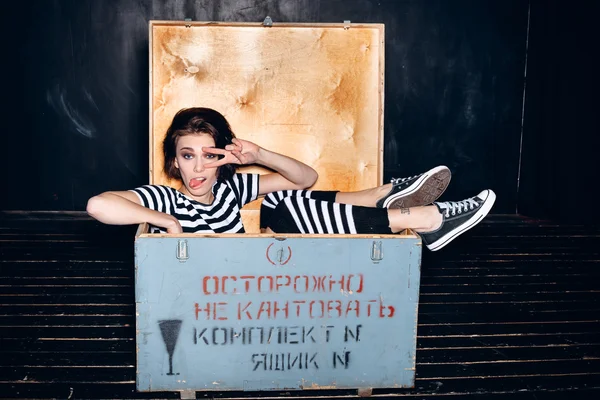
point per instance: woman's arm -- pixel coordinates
(124, 208)
(291, 173)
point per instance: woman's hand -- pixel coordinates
(173, 226)
(290, 173)
(240, 152)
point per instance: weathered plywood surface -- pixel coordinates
(311, 92)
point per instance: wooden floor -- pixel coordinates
(511, 310)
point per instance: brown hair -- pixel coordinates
(194, 121)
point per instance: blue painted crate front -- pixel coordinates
(265, 313)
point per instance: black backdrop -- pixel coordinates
(76, 92)
(561, 135)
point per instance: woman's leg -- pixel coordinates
(437, 224)
(302, 215)
(297, 214)
(419, 190)
(272, 200)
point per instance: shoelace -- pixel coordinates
(397, 181)
(457, 206)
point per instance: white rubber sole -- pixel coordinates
(471, 222)
(424, 191)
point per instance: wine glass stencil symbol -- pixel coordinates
(169, 330)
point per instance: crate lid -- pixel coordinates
(310, 91)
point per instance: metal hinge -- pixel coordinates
(377, 251)
(268, 21)
(182, 253)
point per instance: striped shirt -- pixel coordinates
(222, 216)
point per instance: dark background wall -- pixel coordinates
(561, 140)
(76, 91)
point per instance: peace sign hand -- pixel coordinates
(240, 152)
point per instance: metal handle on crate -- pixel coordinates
(182, 250)
(377, 251)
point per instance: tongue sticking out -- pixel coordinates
(196, 183)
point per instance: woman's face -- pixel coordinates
(191, 160)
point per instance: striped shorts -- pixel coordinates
(311, 211)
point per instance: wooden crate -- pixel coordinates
(264, 312)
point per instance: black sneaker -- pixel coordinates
(418, 190)
(458, 217)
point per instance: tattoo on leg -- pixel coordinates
(404, 211)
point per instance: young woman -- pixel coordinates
(201, 150)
